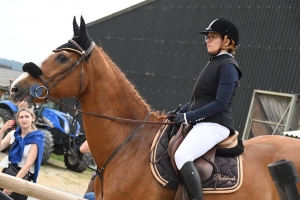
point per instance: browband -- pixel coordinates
(68, 49)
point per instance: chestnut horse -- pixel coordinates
(80, 69)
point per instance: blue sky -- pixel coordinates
(31, 29)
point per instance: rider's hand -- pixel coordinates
(179, 118)
(23, 104)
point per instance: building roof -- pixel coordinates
(124, 11)
(294, 134)
(6, 74)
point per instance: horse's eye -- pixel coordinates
(62, 58)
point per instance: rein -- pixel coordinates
(99, 172)
(50, 98)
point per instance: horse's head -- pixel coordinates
(68, 60)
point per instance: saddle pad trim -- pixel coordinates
(153, 167)
(232, 189)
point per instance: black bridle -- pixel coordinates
(62, 74)
(36, 92)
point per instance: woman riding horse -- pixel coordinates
(209, 109)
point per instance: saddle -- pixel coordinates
(205, 163)
(220, 168)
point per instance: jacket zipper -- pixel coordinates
(196, 84)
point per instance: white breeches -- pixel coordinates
(202, 137)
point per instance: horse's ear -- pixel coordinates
(84, 36)
(76, 29)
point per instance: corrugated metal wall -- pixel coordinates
(157, 45)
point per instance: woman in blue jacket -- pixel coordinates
(27, 148)
(209, 110)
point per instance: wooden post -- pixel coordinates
(32, 189)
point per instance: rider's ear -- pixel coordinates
(227, 42)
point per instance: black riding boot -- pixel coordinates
(191, 180)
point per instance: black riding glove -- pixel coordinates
(179, 118)
(173, 112)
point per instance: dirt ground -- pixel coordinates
(54, 174)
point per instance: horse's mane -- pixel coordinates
(112, 63)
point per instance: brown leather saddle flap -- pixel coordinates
(204, 168)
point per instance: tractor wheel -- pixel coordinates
(48, 146)
(5, 115)
(72, 164)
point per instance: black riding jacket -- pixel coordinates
(204, 105)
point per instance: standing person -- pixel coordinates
(27, 148)
(209, 110)
(89, 193)
(84, 148)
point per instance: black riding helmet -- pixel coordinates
(224, 27)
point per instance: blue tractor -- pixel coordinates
(56, 126)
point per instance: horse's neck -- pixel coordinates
(110, 93)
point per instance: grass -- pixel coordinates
(60, 158)
(57, 157)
